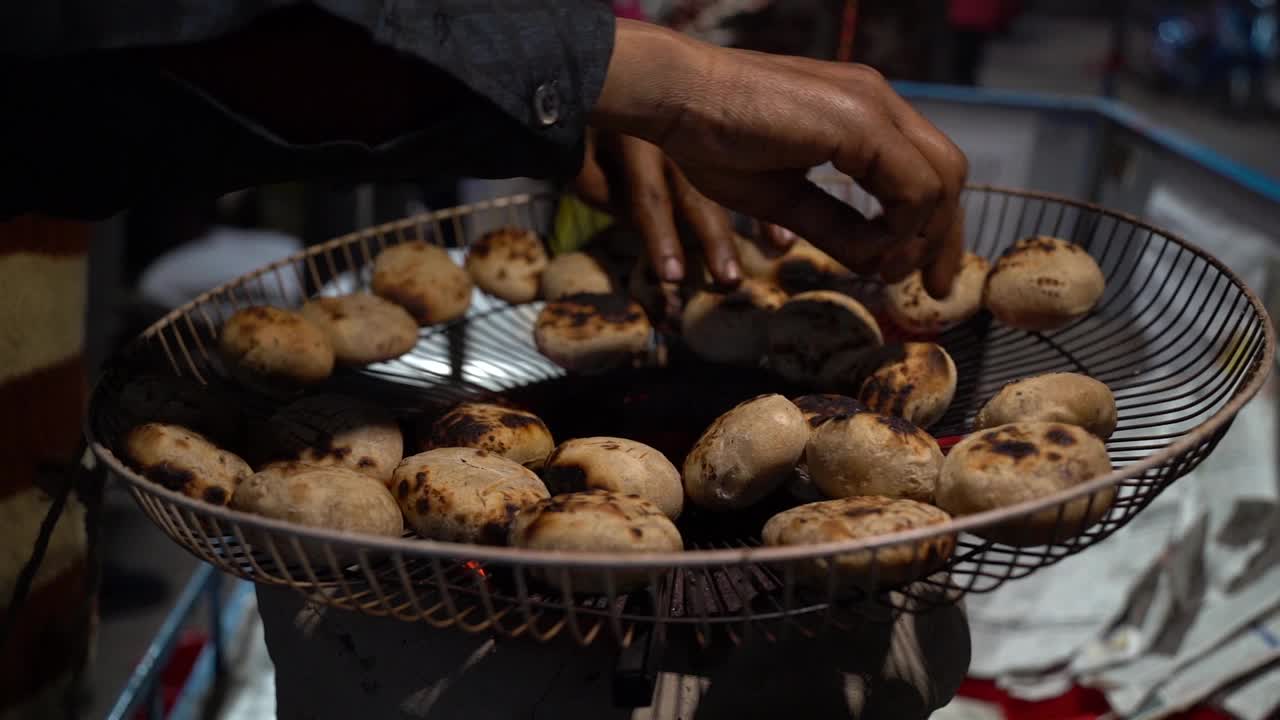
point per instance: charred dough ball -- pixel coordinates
(745, 454)
(615, 464)
(913, 309)
(336, 430)
(591, 333)
(363, 328)
(811, 327)
(508, 263)
(1068, 398)
(862, 518)
(516, 435)
(821, 407)
(573, 273)
(731, 327)
(274, 351)
(1021, 462)
(424, 280)
(818, 409)
(916, 381)
(800, 268)
(873, 454)
(184, 461)
(332, 498)
(1043, 283)
(595, 521)
(464, 494)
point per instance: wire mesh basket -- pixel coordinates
(1180, 340)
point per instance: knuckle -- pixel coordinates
(870, 74)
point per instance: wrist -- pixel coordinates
(653, 76)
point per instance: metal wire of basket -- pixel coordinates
(1177, 336)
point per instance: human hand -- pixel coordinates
(747, 127)
(634, 179)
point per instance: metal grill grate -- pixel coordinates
(1179, 339)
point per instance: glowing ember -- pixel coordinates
(474, 566)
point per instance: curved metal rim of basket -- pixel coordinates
(1251, 384)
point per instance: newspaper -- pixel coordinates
(1257, 698)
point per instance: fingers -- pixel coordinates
(650, 205)
(710, 223)
(952, 168)
(777, 236)
(592, 185)
(941, 273)
(789, 199)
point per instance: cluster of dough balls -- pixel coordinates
(323, 462)
(1035, 437)
(1041, 283)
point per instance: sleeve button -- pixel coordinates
(546, 104)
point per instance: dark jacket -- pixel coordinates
(107, 102)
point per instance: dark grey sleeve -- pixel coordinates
(86, 132)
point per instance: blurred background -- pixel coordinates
(1016, 82)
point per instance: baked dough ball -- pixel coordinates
(424, 280)
(363, 328)
(1043, 283)
(873, 454)
(274, 351)
(800, 268)
(1020, 462)
(508, 263)
(590, 333)
(573, 273)
(595, 521)
(913, 309)
(464, 495)
(1068, 398)
(617, 464)
(731, 327)
(859, 518)
(745, 454)
(185, 461)
(818, 409)
(333, 498)
(812, 327)
(821, 407)
(916, 381)
(336, 430)
(513, 434)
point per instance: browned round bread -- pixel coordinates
(821, 407)
(275, 351)
(363, 328)
(507, 432)
(508, 263)
(617, 464)
(1068, 398)
(464, 494)
(337, 430)
(800, 268)
(812, 327)
(595, 521)
(916, 381)
(424, 280)
(913, 309)
(860, 518)
(1043, 283)
(1019, 462)
(745, 454)
(873, 454)
(184, 461)
(573, 273)
(591, 333)
(731, 327)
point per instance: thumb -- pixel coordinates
(791, 200)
